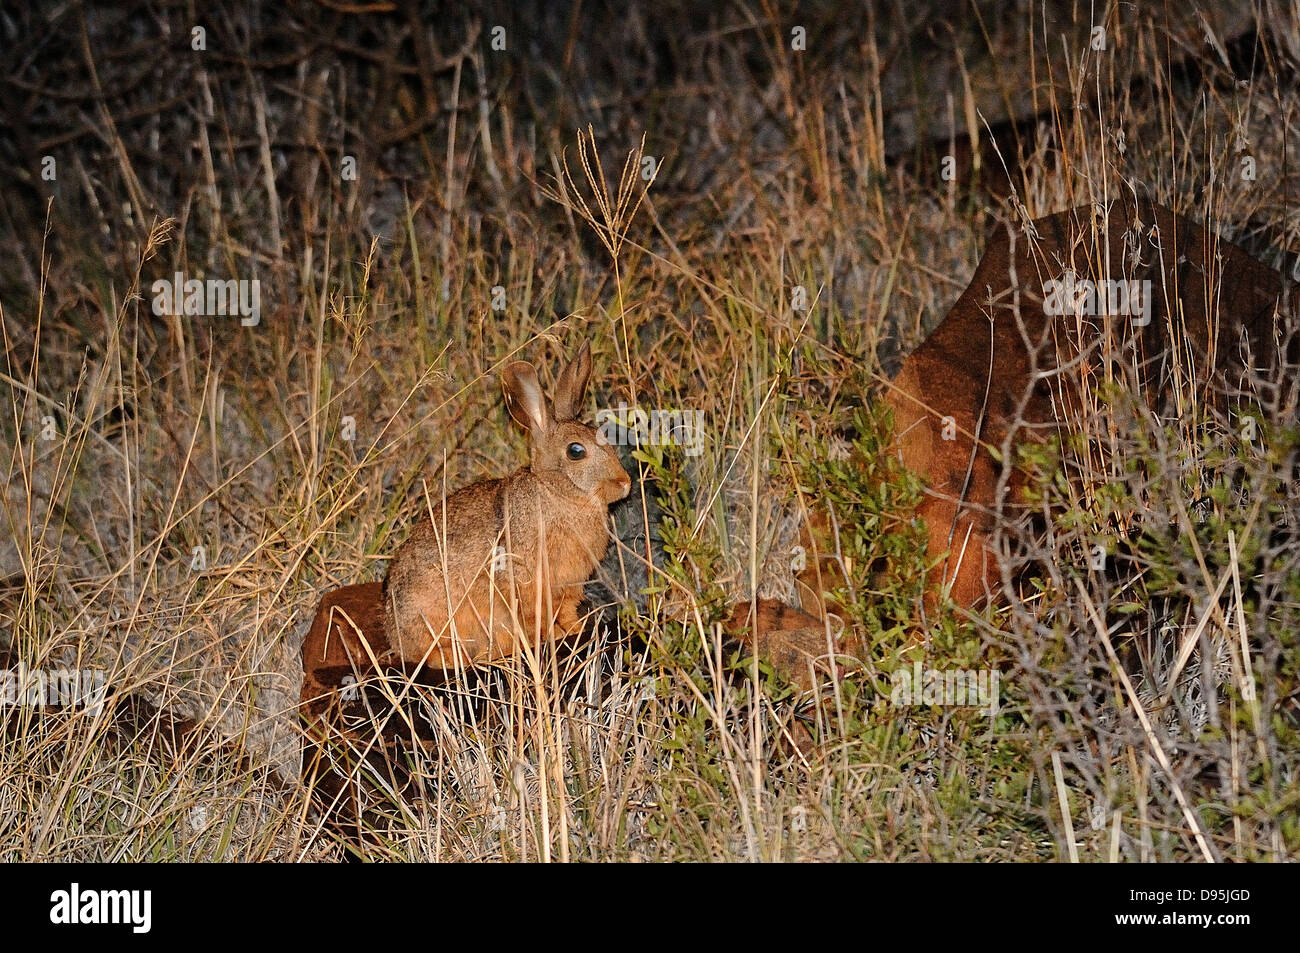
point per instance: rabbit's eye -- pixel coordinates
(577, 451)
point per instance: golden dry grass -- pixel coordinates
(181, 489)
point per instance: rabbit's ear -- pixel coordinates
(524, 398)
(572, 385)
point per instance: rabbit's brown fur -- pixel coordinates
(505, 559)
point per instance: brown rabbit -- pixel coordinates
(506, 559)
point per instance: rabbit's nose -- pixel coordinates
(624, 486)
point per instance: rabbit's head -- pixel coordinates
(562, 448)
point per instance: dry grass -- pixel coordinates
(181, 489)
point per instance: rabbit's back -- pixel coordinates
(477, 564)
(433, 575)
(471, 517)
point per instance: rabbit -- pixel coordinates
(467, 584)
